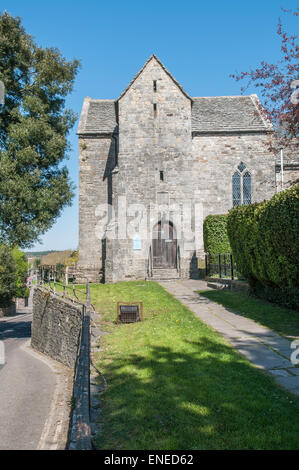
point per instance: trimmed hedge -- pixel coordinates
(264, 239)
(215, 234)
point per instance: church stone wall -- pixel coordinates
(290, 177)
(96, 157)
(290, 167)
(215, 159)
(197, 169)
(150, 142)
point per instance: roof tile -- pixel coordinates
(98, 117)
(228, 114)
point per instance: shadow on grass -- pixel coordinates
(280, 319)
(198, 395)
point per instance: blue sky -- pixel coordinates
(200, 42)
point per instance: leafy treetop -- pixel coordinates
(279, 86)
(34, 123)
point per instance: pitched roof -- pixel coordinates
(153, 56)
(98, 116)
(228, 114)
(209, 114)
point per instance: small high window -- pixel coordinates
(241, 186)
(136, 242)
(155, 85)
(155, 109)
(161, 175)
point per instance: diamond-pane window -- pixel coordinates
(241, 182)
(236, 189)
(247, 188)
(241, 167)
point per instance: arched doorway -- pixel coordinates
(164, 245)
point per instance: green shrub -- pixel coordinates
(264, 239)
(21, 272)
(8, 276)
(37, 263)
(13, 273)
(286, 296)
(72, 259)
(215, 234)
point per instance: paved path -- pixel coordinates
(263, 347)
(27, 386)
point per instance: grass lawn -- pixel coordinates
(173, 383)
(280, 319)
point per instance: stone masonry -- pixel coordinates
(56, 326)
(155, 145)
(290, 166)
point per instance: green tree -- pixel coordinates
(21, 272)
(8, 276)
(279, 86)
(34, 123)
(37, 262)
(73, 259)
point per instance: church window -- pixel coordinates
(161, 175)
(247, 188)
(236, 189)
(155, 109)
(241, 182)
(241, 167)
(155, 85)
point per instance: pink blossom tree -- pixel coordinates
(278, 85)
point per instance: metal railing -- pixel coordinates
(61, 283)
(178, 260)
(80, 428)
(150, 263)
(222, 266)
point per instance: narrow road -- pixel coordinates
(26, 387)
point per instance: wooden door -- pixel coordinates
(164, 245)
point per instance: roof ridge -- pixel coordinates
(222, 96)
(102, 99)
(260, 110)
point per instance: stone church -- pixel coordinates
(171, 158)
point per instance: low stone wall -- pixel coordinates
(8, 311)
(56, 326)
